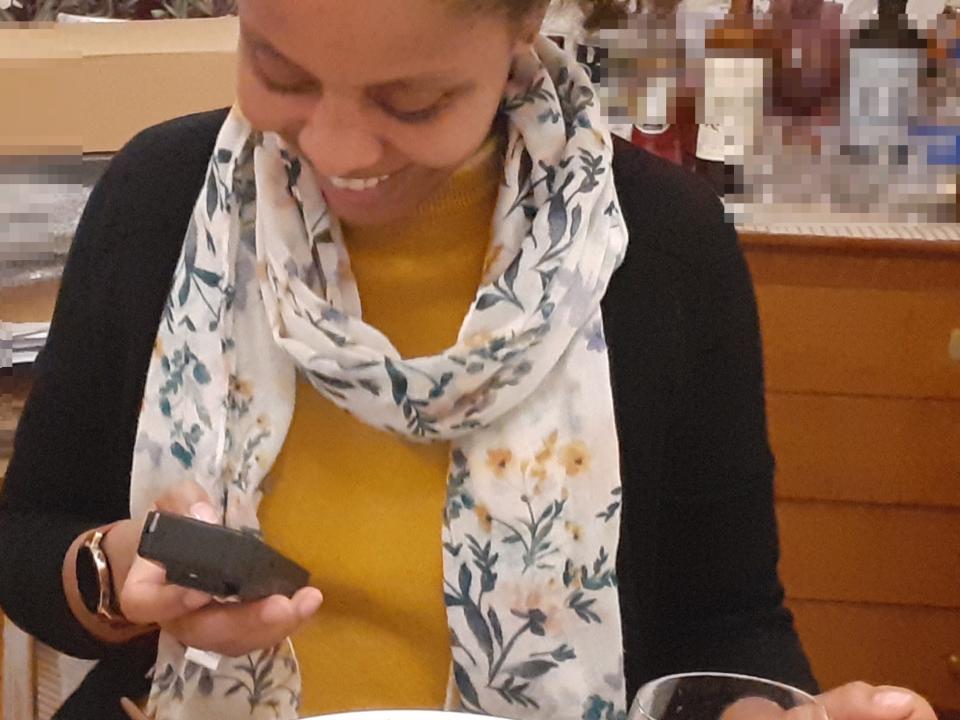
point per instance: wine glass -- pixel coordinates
(720, 696)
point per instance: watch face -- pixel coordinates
(88, 581)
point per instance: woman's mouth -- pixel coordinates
(356, 184)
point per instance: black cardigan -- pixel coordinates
(698, 553)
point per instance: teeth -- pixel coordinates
(356, 184)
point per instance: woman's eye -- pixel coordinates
(280, 79)
(415, 116)
(296, 88)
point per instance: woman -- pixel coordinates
(595, 407)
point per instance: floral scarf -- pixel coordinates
(263, 291)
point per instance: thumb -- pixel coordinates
(860, 701)
(892, 703)
(147, 599)
(183, 498)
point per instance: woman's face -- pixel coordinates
(383, 98)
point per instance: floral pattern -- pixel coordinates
(263, 289)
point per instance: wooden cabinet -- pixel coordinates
(862, 354)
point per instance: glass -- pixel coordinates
(715, 696)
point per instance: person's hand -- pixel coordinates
(854, 701)
(860, 701)
(193, 617)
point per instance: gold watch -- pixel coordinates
(95, 582)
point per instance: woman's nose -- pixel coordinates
(337, 140)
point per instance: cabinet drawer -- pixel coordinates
(14, 389)
(879, 450)
(859, 341)
(882, 645)
(29, 303)
(835, 551)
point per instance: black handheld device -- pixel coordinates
(218, 560)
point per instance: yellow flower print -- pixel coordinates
(539, 472)
(498, 460)
(549, 445)
(575, 458)
(478, 339)
(543, 602)
(484, 517)
(242, 387)
(576, 532)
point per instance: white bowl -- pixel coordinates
(395, 715)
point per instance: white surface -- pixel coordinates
(396, 715)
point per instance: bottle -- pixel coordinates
(945, 82)
(660, 69)
(808, 60)
(736, 64)
(888, 57)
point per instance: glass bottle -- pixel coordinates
(736, 65)
(659, 72)
(887, 61)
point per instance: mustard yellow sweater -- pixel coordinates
(362, 509)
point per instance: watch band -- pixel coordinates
(95, 581)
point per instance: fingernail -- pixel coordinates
(205, 512)
(893, 699)
(310, 604)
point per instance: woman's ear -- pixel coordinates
(529, 29)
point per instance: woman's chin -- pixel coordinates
(393, 200)
(370, 216)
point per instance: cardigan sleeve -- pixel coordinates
(699, 548)
(70, 469)
(59, 482)
(721, 595)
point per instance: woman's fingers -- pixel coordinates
(145, 595)
(235, 629)
(231, 629)
(861, 701)
(758, 708)
(753, 708)
(147, 598)
(187, 498)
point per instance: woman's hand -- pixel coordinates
(854, 701)
(860, 701)
(193, 617)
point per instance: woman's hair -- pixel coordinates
(599, 13)
(603, 13)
